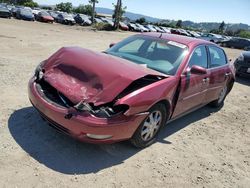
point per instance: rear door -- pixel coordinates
(219, 72)
(193, 86)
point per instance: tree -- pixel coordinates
(64, 7)
(84, 9)
(28, 3)
(179, 23)
(119, 10)
(222, 27)
(242, 33)
(31, 4)
(93, 2)
(141, 20)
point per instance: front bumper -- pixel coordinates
(82, 123)
(242, 67)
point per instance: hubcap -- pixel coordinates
(222, 94)
(151, 125)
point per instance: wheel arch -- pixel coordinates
(167, 106)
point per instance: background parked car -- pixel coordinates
(54, 14)
(133, 27)
(108, 21)
(242, 64)
(193, 34)
(158, 29)
(82, 19)
(123, 26)
(165, 29)
(25, 14)
(35, 11)
(98, 20)
(44, 16)
(150, 28)
(13, 11)
(65, 18)
(212, 37)
(142, 28)
(4, 12)
(236, 43)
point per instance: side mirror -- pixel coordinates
(195, 69)
(111, 45)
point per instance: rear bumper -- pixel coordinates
(82, 123)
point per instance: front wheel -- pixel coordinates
(146, 133)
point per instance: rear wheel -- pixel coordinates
(146, 133)
(222, 95)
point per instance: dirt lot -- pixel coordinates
(204, 149)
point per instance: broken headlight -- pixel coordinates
(105, 111)
(39, 71)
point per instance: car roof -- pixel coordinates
(188, 41)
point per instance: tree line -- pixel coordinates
(88, 9)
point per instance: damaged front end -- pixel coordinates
(91, 82)
(106, 110)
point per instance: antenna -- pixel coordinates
(160, 35)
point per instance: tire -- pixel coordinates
(223, 45)
(146, 133)
(222, 95)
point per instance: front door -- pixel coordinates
(193, 86)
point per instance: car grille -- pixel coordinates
(53, 124)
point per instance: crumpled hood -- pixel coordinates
(84, 75)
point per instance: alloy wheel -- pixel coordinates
(151, 125)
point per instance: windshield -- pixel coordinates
(158, 54)
(26, 11)
(44, 14)
(67, 16)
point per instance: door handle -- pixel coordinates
(227, 74)
(205, 80)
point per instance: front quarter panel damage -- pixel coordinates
(144, 98)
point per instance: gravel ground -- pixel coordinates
(206, 148)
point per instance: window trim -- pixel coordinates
(209, 57)
(190, 56)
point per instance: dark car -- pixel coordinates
(131, 90)
(4, 12)
(66, 19)
(134, 27)
(54, 14)
(25, 14)
(242, 64)
(239, 43)
(44, 16)
(82, 19)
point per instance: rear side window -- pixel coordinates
(199, 57)
(217, 56)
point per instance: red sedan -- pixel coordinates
(131, 90)
(44, 17)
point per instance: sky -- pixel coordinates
(230, 11)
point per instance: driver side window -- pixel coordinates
(199, 57)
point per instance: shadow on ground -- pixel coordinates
(66, 155)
